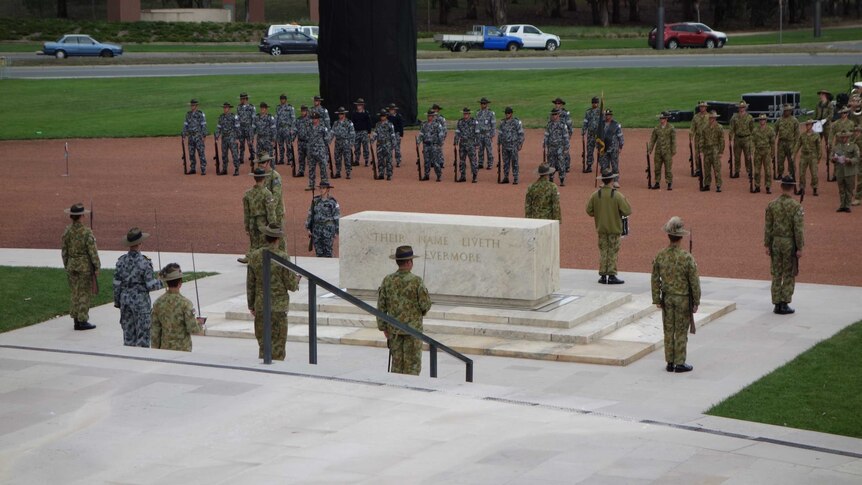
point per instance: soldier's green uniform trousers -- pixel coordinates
(807, 165)
(711, 165)
(783, 280)
(785, 153)
(609, 248)
(846, 189)
(763, 161)
(80, 286)
(663, 159)
(279, 334)
(406, 353)
(742, 145)
(676, 315)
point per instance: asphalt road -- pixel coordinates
(431, 65)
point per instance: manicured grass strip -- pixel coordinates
(32, 295)
(820, 390)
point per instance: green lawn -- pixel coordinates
(156, 106)
(32, 295)
(820, 390)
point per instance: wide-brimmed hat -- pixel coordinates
(556, 111)
(264, 157)
(383, 113)
(227, 105)
(606, 175)
(258, 173)
(273, 230)
(788, 180)
(844, 110)
(663, 115)
(742, 104)
(702, 103)
(595, 100)
(437, 107)
(403, 253)
(545, 170)
(359, 101)
(713, 114)
(341, 111)
(465, 110)
(558, 101)
(609, 112)
(431, 112)
(173, 274)
(282, 96)
(674, 227)
(76, 210)
(789, 107)
(843, 133)
(823, 91)
(303, 108)
(193, 101)
(318, 98)
(326, 185)
(135, 237)
(484, 100)
(762, 117)
(264, 105)
(508, 110)
(243, 95)
(315, 115)
(392, 106)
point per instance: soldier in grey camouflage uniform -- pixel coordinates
(397, 121)
(487, 120)
(322, 221)
(195, 131)
(246, 113)
(440, 119)
(264, 130)
(173, 316)
(318, 150)
(81, 261)
(589, 129)
(466, 139)
(384, 136)
(611, 134)
(403, 296)
(227, 130)
(345, 135)
(554, 142)
(133, 282)
(285, 118)
(362, 124)
(511, 138)
(323, 112)
(566, 118)
(303, 133)
(431, 136)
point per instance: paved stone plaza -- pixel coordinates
(78, 407)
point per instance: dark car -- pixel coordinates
(288, 43)
(689, 34)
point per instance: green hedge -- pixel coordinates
(41, 30)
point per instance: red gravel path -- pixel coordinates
(128, 178)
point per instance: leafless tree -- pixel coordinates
(498, 10)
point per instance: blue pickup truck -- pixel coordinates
(481, 37)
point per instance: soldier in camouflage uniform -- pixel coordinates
(608, 206)
(246, 113)
(711, 143)
(281, 282)
(440, 119)
(784, 239)
(431, 136)
(824, 111)
(698, 125)
(133, 282)
(273, 183)
(258, 211)
(285, 119)
(510, 137)
(543, 198)
(195, 131)
(466, 139)
(857, 139)
(384, 136)
(304, 126)
(676, 291)
(554, 143)
(663, 141)
(345, 135)
(322, 111)
(808, 144)
(845, 156)
(487, 120)
(264, 130)
(403, 296)
(322, 221)
(318, 150)
(611, 134)
(173, 316)
(589, 129)
(787, 130)
(566, 118)
(398, 125)
(227, 130)
(763, 140)
(81, 261)
(362, 124)
(841, 124)
(741, 127)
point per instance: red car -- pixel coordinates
(689, 34)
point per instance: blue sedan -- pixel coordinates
(80, 45)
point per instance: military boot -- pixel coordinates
(669, 186)
(603, 280)
(613, 280)
(683, 368)
(84, 325)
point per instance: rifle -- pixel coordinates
(544, 155)
(202, 320)
(311, 224)
(455, 162)
(373, 160)
(216, 157)
(730, 156)
(700, 170)
(94, 279)
(691, 328)
(158, 239)
(499, 162)
(828, 150)
(648, 168)
(293, 156)
(583, 153)
(185, 163)
(750, 180)
(275, 162)
(419, 162)
(691, 155)
(329, 152)
(66, 157)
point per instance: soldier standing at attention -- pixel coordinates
(173, 316)
(466, 139)
(281, 282)
(612, 137)
(362, 124)
(741, 127)
(258, 209)
(763, 139)
(264, 129)
(398, 125)
(272, 183)
(345, 135)
(676, 291)
(845, 156)
(431, 136)
(440, 119)
(608, 206)
(857, 139)
(543, 198)
(589, 129)
(403, 296)
(81, 261)
(323, 112)
(809, 144)
(698, 125)
(318, 150)
(566, 118)
(784, 239)
(511, 139)
(663, 141)
(246, 113)
(788, 133)
(303, 134)
(384, 135)
(195, 131)
(487, 120)
(841, 124)
(554, 142)
(824, 112)
(227, 130)
(133, 282)
(285, 118)
(322, 221)
(712, 144)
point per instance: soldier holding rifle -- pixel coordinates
(195, 131)
(589, 129)
(510, 139)
(227, 131)
(741, 127)
(823, 112)
(763, 139)
(808, 145)
(319, 137)
(663, 141)
(322, 221)
(173, 316)
(285, 118)
(784, 239)
(698, 125)
(845, 156)
(712, 144)
(787, 129)
(81, 261)
(344, 134)
(246, 113)
(385, 139)
(431, 136)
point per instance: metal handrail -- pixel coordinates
(313, 282)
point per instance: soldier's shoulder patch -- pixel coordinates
(204, 116)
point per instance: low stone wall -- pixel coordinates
(187, 15)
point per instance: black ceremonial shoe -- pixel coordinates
(683, 368)
(785, 309)
(735, 175)
(604, 279)
(84, 326)
(654, 186)
(705, 188)
(613, 280)
(768, 190)
(777, 309)
(191, 172)
(669, 367)
(717, 188)
(505, 180)
(669, 186)
(756, 190)
(815, 192)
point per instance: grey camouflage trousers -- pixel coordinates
(197, 150)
